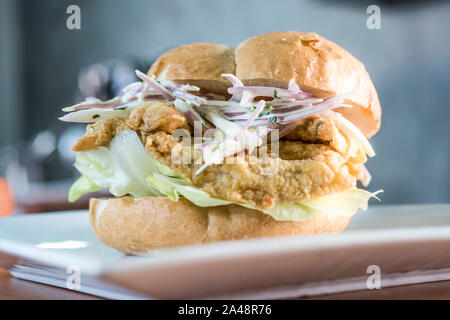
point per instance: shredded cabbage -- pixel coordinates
(126, 168)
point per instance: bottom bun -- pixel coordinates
(138, 226)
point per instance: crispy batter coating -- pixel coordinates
(314, 160)
(148, 118)
(301, 172)
(156, 116)
(313, 129)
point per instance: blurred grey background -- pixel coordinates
(408, 59)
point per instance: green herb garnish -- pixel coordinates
(265, 111)
(121, 108)
(95, 116)
(275, 94)
(274, 120)
(215, 148)
(252, 108)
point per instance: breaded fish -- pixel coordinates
(148, 118)
(314, 160)
(302, 171)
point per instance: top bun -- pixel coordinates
(199, 64)
(319, 66)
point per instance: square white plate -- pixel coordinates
(410, 244)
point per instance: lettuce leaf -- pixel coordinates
(126, 168)
(123, 167)
(82, 186)
(176, 187)
(344, 203)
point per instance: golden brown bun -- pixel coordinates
(199, 64)
(319, 66)
(137, 226)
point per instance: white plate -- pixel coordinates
(402, 241)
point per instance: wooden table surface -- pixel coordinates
(15, 289)
(12, 288)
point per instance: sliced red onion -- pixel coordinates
(269, 92)
(293, 103)
(350, 129)
(235, 81)
(91, 103)
(233, 116)
(247, 99)
(133, 90)
(213, 96)
(191, 115)
(259, 107)
(256, 123)
(293, 86)
(188, 97)
(286, 110)
(224, 104)
(233, 106)
(133, 86)
(367, 177)
(302, 113)
(188, 87)
(94, 115)
(315, 109)
(236, 114)
(155, 85)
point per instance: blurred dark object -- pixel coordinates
(27, 169)
(24, 185)
(7, 203)
(50, 197)
(106, 80)
(38, 173)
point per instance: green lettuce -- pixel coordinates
(122, 168)
(344, 203)
(126, 168)
(81, 187)
(176, 187)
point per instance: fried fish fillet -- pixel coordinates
(148, 118)
(314, 160)
(302, 171)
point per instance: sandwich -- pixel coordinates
(215, 144)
